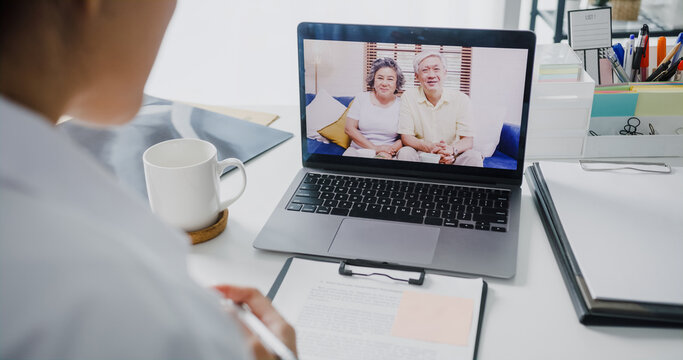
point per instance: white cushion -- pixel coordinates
(322, 111)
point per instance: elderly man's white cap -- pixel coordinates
(425, 54)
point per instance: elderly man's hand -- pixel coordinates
(448, 160)
(430, 147)
(444, 148)
(447, 153)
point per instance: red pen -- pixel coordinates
(645, 62)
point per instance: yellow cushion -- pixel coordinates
(336, 131)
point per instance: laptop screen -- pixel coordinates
(432, 101)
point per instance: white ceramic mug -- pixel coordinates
(183, 177)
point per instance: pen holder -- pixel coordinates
(625, 9)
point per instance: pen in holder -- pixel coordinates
(612, 57)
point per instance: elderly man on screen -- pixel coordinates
(434, 119)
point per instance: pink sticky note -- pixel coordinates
(605, 72)
(434, 318)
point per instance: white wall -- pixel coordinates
(496, 90)
(340, 66)
(244, 52)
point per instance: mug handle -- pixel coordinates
(219, 170)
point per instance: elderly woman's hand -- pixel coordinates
(429, 147)
(385, 149)
(384, 155)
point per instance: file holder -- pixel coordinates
(373, 264)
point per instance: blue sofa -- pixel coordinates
(505, 156)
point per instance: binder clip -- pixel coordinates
(373, 264)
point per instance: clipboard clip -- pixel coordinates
(382, 265)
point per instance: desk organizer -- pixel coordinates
(661, 108)
(609, 143)
(559, 117)
(210, 232)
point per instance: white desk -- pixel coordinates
(527, 317)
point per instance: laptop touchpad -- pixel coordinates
(385, 241)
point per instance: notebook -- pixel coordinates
(615, 231)
(384, 111)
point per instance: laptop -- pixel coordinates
(410, 162)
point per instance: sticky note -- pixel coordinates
(660, 104)
(623, 104)
(434, 318)
(605, 72)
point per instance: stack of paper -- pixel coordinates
(558, 63)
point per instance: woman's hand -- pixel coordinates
(384, 155)
(264, 310)
(385, 149)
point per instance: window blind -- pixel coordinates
(458, 59)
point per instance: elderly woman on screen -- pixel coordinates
(372, 120)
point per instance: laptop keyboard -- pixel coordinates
(406, 201)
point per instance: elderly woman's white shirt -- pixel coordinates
(86, 270)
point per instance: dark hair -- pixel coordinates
(22, 22)
(382, 63)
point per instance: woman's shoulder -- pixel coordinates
(362, 99)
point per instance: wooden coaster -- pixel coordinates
(206, 234)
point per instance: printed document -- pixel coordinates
(355, 317)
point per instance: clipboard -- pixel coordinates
(380, 273)
(591, 311)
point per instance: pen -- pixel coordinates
(628, 56)
(679, 72)
(661, 49)
(670, 55)
(666, 75)
(268, 339)
(619, 51)
(659, 70)
(612, 57)
(645, 62)
(678, 41)
(638, 51)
